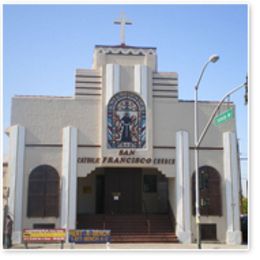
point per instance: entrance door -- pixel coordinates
(100, 194)
(123, 190)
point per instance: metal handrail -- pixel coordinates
(148, 223)
(171, 215)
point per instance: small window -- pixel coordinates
(150, 183)
(44, 226)
(208, 232)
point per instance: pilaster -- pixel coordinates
(231, 172)
(16, 173)
(69, 179)
(112, 80)
(183, 212)
(141, 81)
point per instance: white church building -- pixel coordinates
(119, 154)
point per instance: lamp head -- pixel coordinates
(214, 58)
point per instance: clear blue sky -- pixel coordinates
(44, 44)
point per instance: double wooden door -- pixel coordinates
(123, 191)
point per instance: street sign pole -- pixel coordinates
(204, 131)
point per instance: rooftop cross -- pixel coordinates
(122, 21)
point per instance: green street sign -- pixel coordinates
(224, 117)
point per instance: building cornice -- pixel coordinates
(125, 50)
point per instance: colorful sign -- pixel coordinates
(224, 117)
(44, 235)
(89, 236)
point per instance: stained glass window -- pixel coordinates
(126, 121)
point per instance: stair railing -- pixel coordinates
(147, 220)
(104, 221)
(171, 215)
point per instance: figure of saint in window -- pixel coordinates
(126, 123)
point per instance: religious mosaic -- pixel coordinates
(126, 121)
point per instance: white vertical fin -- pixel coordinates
(69, 179)
(73, 178)
(183, 213)
(231, 172)
(141, 81)
(16, 173)
(112, 80)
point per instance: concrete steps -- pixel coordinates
(145, 238)
(153, 228)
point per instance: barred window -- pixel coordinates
(43, 193)
(210, 192)
(150, 183)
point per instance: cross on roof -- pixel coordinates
(122, 21)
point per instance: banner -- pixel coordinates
(44, 235)
(90, 236)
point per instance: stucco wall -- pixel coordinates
(170, 117)
(44, 118)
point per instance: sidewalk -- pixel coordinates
(128, 247)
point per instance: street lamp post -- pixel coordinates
(213, 59)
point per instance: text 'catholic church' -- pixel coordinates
(119, 155)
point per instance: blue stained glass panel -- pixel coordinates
(126, 121)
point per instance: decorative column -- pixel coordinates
(231, 172)
(69, 178)
(141, 81)
(112, 80)
(183, 212)
(16, 173)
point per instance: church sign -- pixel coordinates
(44, 235)
(90, 236)
(125, 157)
(125, 160)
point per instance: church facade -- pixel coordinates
(123, 144)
